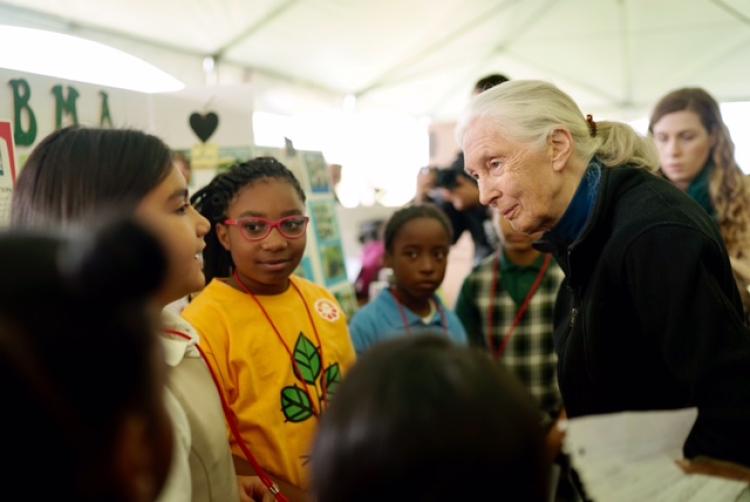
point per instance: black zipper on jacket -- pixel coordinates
(571, 290)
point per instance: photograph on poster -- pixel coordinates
(318, 172)
(234, 154)
(266, 151)
(347, 299)
(211, 157)
(305, 269)
(7, 171)
(7, 156)
(293, 163)
(332, 259)
(324, 220)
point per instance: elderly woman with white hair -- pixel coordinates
(649, 316)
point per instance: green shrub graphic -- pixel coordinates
(296, 401)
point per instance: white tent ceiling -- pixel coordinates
(422, 56)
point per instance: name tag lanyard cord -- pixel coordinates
(521, 311)
(405, 320)
(234, 426)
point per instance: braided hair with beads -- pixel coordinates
(213, 200)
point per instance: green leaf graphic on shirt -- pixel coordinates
(296, 404)
(307, 357)
(332, 379)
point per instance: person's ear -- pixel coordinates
(222, 233)
(560, 147)
(712, 139)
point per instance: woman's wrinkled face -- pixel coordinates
(511, 239)
(514, 178)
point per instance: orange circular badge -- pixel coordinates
(327, 310)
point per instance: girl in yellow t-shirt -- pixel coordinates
(278, 344)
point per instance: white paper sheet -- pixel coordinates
(631, 457)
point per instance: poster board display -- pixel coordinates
(7, 171)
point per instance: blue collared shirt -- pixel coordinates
(381, 320)
(570, 227)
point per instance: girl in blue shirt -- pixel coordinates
(417, 240)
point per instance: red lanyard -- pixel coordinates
(234, 426)
(298, 373)
(405, 320)
(521, 311)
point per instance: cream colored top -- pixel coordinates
(202, 469)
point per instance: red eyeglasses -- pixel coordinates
(255, 228)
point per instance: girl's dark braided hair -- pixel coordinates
(214, 199)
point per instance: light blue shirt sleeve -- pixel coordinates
(363, 331)
(456, 329)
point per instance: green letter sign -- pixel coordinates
(21, 96)
(105, 119)
(65, 105)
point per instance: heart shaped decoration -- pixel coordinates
(204, 125)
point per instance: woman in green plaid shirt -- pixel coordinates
(489, 304)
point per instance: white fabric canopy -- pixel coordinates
(422, 56)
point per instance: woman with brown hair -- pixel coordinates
(696, 154)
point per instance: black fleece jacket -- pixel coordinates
(649, 316)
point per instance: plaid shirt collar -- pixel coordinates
(508, 267)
